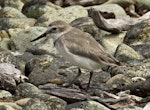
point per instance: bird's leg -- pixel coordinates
(79, 73)
(91, 74)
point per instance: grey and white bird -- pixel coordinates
(78, 47)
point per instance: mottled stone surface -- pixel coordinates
(87, 105)
(22, 40)
(114, 8)
(125, 53)
(10, 12)
(67, 14)
(5, 94)
(49, 74)
(138, 34)
(35, 9)
(7, 23)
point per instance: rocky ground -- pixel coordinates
(33, 75)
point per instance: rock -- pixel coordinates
(130, 108)
(10, 12)
(27, 90)
(49, 71)
(147, 106)
(35, 10)
(119, 80)
(32, 63)
(5, 94)
(52, 102)
(7, 83)
(12, 32)
(100, 77)
(13, 3)
(67, 94)
(10, 76)
(86, 24)
(10, 106)
(143, 49)
(138, 34)
(7, 57)
(4, 43)
(146, 3)
(23, 59)
(137, 69)
(80, 2)
(123, 3)
(87, 105)
(6, 107)
(43, 47)
(7, 23)
(31, 91)
(125, 53)
(3, 34)
(22, 40)
(111, 42)
(22, 102)
(133, 69)
(10, 70)
(35, 104)
(110, 8)
(115, 25)
(67, 14)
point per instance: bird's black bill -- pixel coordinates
(41, 36)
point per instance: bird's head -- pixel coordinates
(55, 30)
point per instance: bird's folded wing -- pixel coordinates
(86, 46)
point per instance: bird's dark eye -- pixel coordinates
(54, 28)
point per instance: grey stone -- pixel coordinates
(21, 102)
(5, 94)
(137, 69)
(31, 91)
(43, 47)
(143, 49)
(10, 12)
(130, 108)
(67, 14)
(86, 24)
(120, 2)
(35, 104)
(125, 53)
(10, 70)
(119, 80)
(37, 61)
(4, 43)
(144, 2)
(7, 23)
(3, 34)
(52, 102)
(110, 8)
(27, 90)
(18, 4)
(111, 42)
(9, 106)
(13, 32)
(147, 106)
(36, 10)
(51, 70)
(7, 57)
(22, 40)
(138, 34)
(6, 107)
(87, 105)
